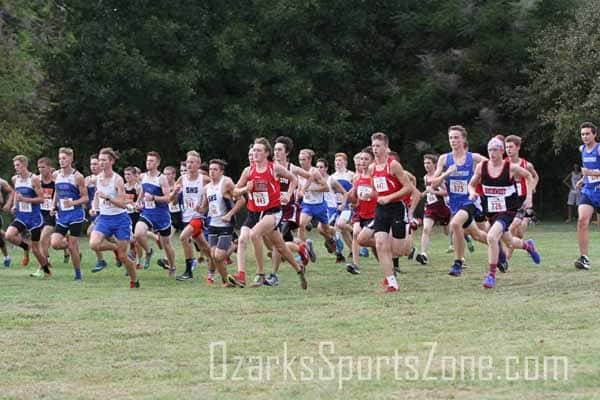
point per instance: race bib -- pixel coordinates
(62, 205)
(174, 207)
(24, 207)
(148, 205)
(261, 199)
(105, 203)
(496, 204)
(381, 184)
(338, 198)
(458, 186)
(212, 209)
(190, 204)
(431, 198)
(47, 204)
(364, 193)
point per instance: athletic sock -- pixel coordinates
(493, 269)
(395, 260)
(392, 281)
(77, 272)
(24, 245)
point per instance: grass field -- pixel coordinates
(99, 339)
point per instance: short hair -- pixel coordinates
(341, 155)
(516, 140)
(588, 124)
(431, 157)
(153, 154)
(324, 161)
(182, 163)
(287, 142)
(395, 155)
(380, 136)
(308, 152)
(94, 156)
(130, 170)
(45, 160)
(66, 150)
(204, 167)
(193, 153)
(110, 152)
(170, 168)
(218, 161)
(264, 142)
(21, 158)
(369, 151)
(459, 128)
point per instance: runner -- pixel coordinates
(45, 173)
(590, 193)
(110, 204)
(25, 202)
(501, 202)
(364, 199)
(335, 208)
(90, 183)
(5, 193)
(343, 226)
(69, 197)
(133, 191)
(222, 210)
(312, 192)
(524, 215)
(290, 210)
(436, 210)
(456, 168)
(260, 182)
(192, 188)
(154, 202)
(390, 223)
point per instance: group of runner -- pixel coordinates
(485, 199)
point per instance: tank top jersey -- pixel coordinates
(345, 180)
(499, 192)
(431, 199)
(177, 206)
(311, 196)
(384, 182)
(458, 182)
(27, 212)
(331, 196)
(284, 187)
(151, 208)
(192, 195)
(521, 183)
(218, 205)
(265, 191)
(367, 197)
(132, 198)
(67, 189)
(590, 160)
(106, 207)
(48, 191)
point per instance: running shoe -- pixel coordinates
(582, 263)
(100, 265)
(311, 250)
(489, 282)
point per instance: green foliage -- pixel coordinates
(208, 75)
(564, 87)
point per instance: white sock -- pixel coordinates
(392, 281)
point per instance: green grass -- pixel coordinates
(98, 339)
